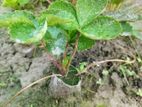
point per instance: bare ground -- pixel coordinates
(19, 68)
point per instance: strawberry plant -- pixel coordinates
(63, 24)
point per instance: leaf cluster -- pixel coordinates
(63, 21)
(85, 17)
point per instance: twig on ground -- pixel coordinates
(105, 61)
(27, 87)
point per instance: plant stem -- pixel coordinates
(65, 53)
(74, 52)
(73, 1)
(57, 64)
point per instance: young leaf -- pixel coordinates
(56, 40)
(65, 61)
(87, 10)
(27, 34)
(14, 17)
(102, 28)
(85, 43)
(66, 11)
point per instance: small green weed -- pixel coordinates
(139, 92)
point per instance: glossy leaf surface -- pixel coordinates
(15, 17)
(85, 43)
(88, 10)
(27, 34)
(56, 40)
(102, 28)
(66, 11)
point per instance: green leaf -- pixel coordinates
(56, 40)
(139, 92)
(27, 34)
(52, 19)
(85, 43)
(14, 17)
(66, 11)
(72, 34)
(137, 29)
(102, 28)
(88, 10)
(126, 29)
(117, 2)
(14, 3)
(65, 61)
(23, 2)
(10, 3)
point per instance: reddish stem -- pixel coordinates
(74, 52)
(65, 53)
(57, 64)
(73, 1)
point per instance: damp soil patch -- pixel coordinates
(103, 86)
